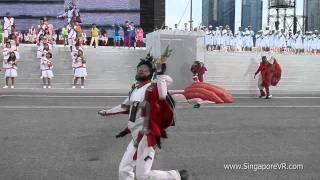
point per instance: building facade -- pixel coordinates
(252, 14)
(312, 14)
(218, 13)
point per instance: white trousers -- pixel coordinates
(145, 157)
(260, 82)
(127, 163)
(145, 160)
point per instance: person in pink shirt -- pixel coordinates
(139, 37)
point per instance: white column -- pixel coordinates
(264, 14)
(238, 14)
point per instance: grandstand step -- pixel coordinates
(113, 68)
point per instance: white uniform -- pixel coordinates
(209, 38)
(40, 50)
(299, 42)
(251, 34)
(46, 69)
(318, 42)
(282, 40)
(259, 41)
(291, 42)
(8, 22)
(10, 69)
(72, 37)
(314, 42)
(80, 69)
(239, 40)
(6, 53)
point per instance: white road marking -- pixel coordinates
(116, 96)
(178, 107)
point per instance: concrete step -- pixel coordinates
(113, 68)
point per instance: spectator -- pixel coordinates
(104, 37)
(94, 35)
(117, 36)
(139, 37)
(132, 36)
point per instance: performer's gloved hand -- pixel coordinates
(122, 134)
(103, 112)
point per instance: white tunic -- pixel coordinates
(80, 69)
(137, 94)
(46, 69)
(10, 69)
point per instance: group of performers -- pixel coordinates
(44, 40)
(10, 51)
(222, 38)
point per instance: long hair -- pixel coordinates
(11, 58)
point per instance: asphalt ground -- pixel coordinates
(60, 136)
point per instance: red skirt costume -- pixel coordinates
(161, 115)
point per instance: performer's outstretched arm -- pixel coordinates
(120, 109)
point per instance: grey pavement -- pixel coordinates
(60, 136)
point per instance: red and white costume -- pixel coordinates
(160, 116)
(198, 71)
(135, 157)
(270, 75)
(135, 124)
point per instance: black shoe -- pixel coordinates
(196, 105)
(184, 174)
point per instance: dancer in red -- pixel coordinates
(262, 79)
(198, 69)
(270, 75)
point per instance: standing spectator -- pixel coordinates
(117, 36)
(1, 33)
(139, 37)
(104, 37)
(94, 35)
(132, 36)
(65, 35)
(126, 34)
(32, 32)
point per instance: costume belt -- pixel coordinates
(134, 106)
